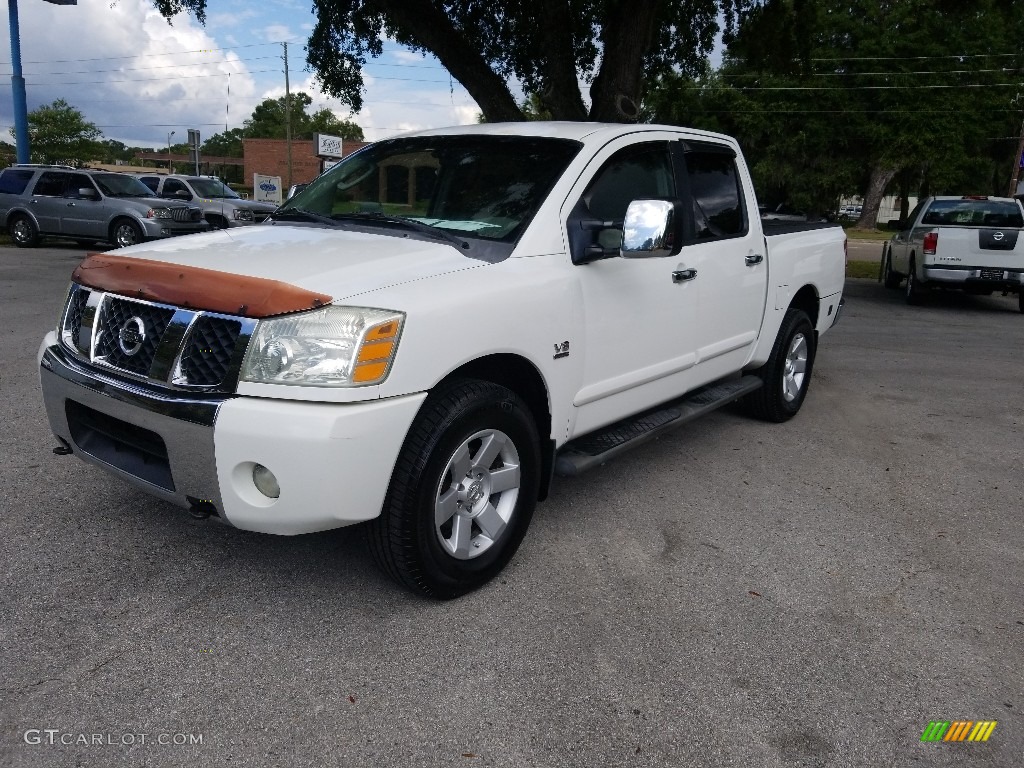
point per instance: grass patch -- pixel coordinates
(862, 269)
(875, 235)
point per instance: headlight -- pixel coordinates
(328, 347)
(243, 214)
(159, 213)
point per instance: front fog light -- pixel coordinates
(265, 481)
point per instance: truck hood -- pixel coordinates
(337, 262)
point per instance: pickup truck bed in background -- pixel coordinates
(969, 243)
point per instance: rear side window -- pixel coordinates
(974, 213)
(14, 180)
(150, 181)
(50, 184)
(717, 201)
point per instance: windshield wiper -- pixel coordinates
(302, 213)
(402, 221)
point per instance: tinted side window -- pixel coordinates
(717, 200)
(171, 186)
(50, 184)
(14, 180)
(150, 181)
(77, 181)
(639, 171)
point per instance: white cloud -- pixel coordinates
(138, 78)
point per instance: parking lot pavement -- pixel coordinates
(734, 594)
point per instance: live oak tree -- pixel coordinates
(834, 96)
(613, 47)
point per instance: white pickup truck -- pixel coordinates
(434, 328)
(969, 243)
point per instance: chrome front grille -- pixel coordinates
(187, 214)
(208, 352)
(180, 348)
(129, 333)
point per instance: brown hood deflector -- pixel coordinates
(194, 287)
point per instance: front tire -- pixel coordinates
(125, 233)
(462, 493)
(23, 232)
(787, 374)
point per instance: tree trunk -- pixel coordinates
(626, 36)
(881, 175)
(433, 29)
(561, 95)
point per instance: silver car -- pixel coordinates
(37, 201)
(221, 205)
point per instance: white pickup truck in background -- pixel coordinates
(435, 327)
(969, 243)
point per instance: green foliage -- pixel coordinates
(547, 45)
(59, 133)
(269, 119)
(904, 89)
(225, 144)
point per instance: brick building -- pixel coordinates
(270, 157)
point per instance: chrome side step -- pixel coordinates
(599, 447)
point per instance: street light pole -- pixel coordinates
(169, 169)
(18, 87)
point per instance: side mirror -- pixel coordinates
(652, 229)
(88, 193)
(182, 194)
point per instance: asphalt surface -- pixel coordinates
(734, 594)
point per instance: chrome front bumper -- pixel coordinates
(158, 441)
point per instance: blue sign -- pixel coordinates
(268, 187)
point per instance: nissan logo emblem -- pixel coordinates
(131, 336)
(998, 236)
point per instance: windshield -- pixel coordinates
(212, 188)
(478, 186)
(119, 185)
(974, 213)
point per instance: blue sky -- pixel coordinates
(138, 78)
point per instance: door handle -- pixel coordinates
(682, 275)
(71, 205)
(754, 258)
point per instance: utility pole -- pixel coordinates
(287, 117)
(18, 86)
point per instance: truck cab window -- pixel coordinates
(717, 200)
(643, 170)
(637, 171)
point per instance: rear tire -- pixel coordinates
(1020, 301)
(462, 493)
(787, 374)
(914, 292)
(889, 278)
(23, 232)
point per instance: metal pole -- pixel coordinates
(1016, 164)
(169, 169)
(18, 87)
(287, 117)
